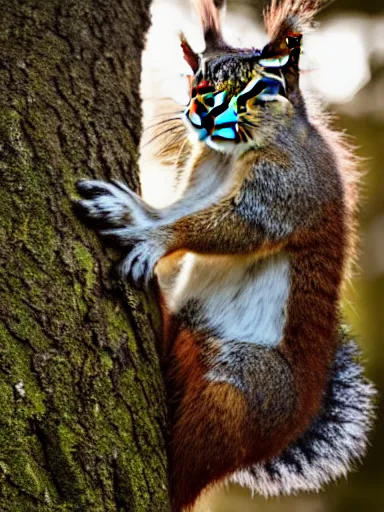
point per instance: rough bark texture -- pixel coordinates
(82, 409)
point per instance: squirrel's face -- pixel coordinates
(238, 99)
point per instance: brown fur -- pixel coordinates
(218, 427)
(213, 412)
(318, 258)
(311, 334)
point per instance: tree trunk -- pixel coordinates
(82, 407)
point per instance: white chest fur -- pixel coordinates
(243, 299)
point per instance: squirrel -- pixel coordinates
(265, 388)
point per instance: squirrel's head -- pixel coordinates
(242, 96)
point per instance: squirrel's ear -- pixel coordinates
(190, 57)
(284, 16)
(286, 21)
(210, 12)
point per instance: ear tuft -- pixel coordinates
(281, 18)
(210, 11)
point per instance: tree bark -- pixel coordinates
(82, 402)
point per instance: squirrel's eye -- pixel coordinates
(275, 62)
(293, 41)
(209, 100)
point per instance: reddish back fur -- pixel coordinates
(211, 434)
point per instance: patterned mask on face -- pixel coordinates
(218, 119)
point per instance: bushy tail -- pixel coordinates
(336, 438)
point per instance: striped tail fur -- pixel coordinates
(336, 439)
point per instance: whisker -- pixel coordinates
(180, 152)
(244, 135)
(168, 113)
(248, 123)
(248, 134)
(180, 130)
(168, 120)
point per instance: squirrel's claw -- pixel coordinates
(124, 219)
(141, 261)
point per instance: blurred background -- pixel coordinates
(344, 63)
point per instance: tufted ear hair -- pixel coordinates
(210, 12)
(283, 16)
(285, 22)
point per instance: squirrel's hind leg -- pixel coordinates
(233, 403)
(210, 437)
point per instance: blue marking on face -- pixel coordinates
(228, 133)
(214, 118)
(202, 134)
(228, 116)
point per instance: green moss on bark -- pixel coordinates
(82, 408)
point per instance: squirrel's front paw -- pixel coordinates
(113, 210)
(122, 217)
(141, 260)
